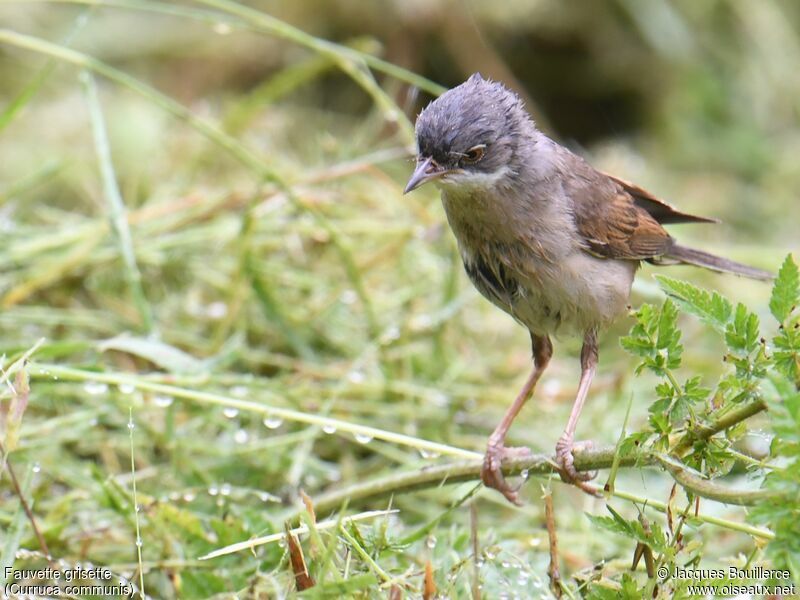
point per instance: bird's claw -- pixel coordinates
(566, 462)
(492, 474)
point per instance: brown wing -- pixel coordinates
(658, 209)
(610, 220)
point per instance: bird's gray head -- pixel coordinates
(470, 136)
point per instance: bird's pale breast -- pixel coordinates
(530, 266)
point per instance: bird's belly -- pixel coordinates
(570, 295)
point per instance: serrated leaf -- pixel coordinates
(637, 346)
(631, 529)
(742, 333)
(710, 307)
(695, 392)
(668, 332)
(786, 290)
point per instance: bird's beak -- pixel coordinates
(426, 170)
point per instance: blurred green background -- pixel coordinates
(273, 258)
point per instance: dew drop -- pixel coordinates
(272, 422)
(222, 28)
(220, 502)
(525, 473)
(329, 429)
(95, 388)
(490, 553)
(189, 496)
(174, 496)
(139, 542)
(225, 489)
(421, 321)
(440, 399)
(363, 438)
(126, 388)
(241, 436)
(551, 387)
(506, 564)
(431, 542)
(230, 412)
(36, 467)
(356, 376)
(216, 310)
(348, 297)
(213, 490)
(240, 391)
(162, 401)
(391, 334)
(428, 454)
(522, 578)
(131, 425)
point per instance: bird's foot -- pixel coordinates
(492, 474)
(566, 462)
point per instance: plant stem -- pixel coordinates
(706, 489)
(48, 371)
(703, 431)
(117, 213)
(457, 472)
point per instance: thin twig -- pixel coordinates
(458, 472)
(131, 427)
(552, 539)
(473, 536)
(703, 431)
(706, 489)
(25, 506)
(48, 371)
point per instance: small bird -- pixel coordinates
(544, 236)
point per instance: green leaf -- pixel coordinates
(668, 333)
(786, 291)
(632, 529)
(341, 589)
(656, 338)
(637, 346)
(159, 353)
(710, 307)
(742, 333)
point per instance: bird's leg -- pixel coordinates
(496, 451)
(566, 442)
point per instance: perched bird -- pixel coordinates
(543, 235)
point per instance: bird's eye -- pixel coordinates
(474, 154)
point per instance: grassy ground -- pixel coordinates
(234, 305)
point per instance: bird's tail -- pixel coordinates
(698, 258)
